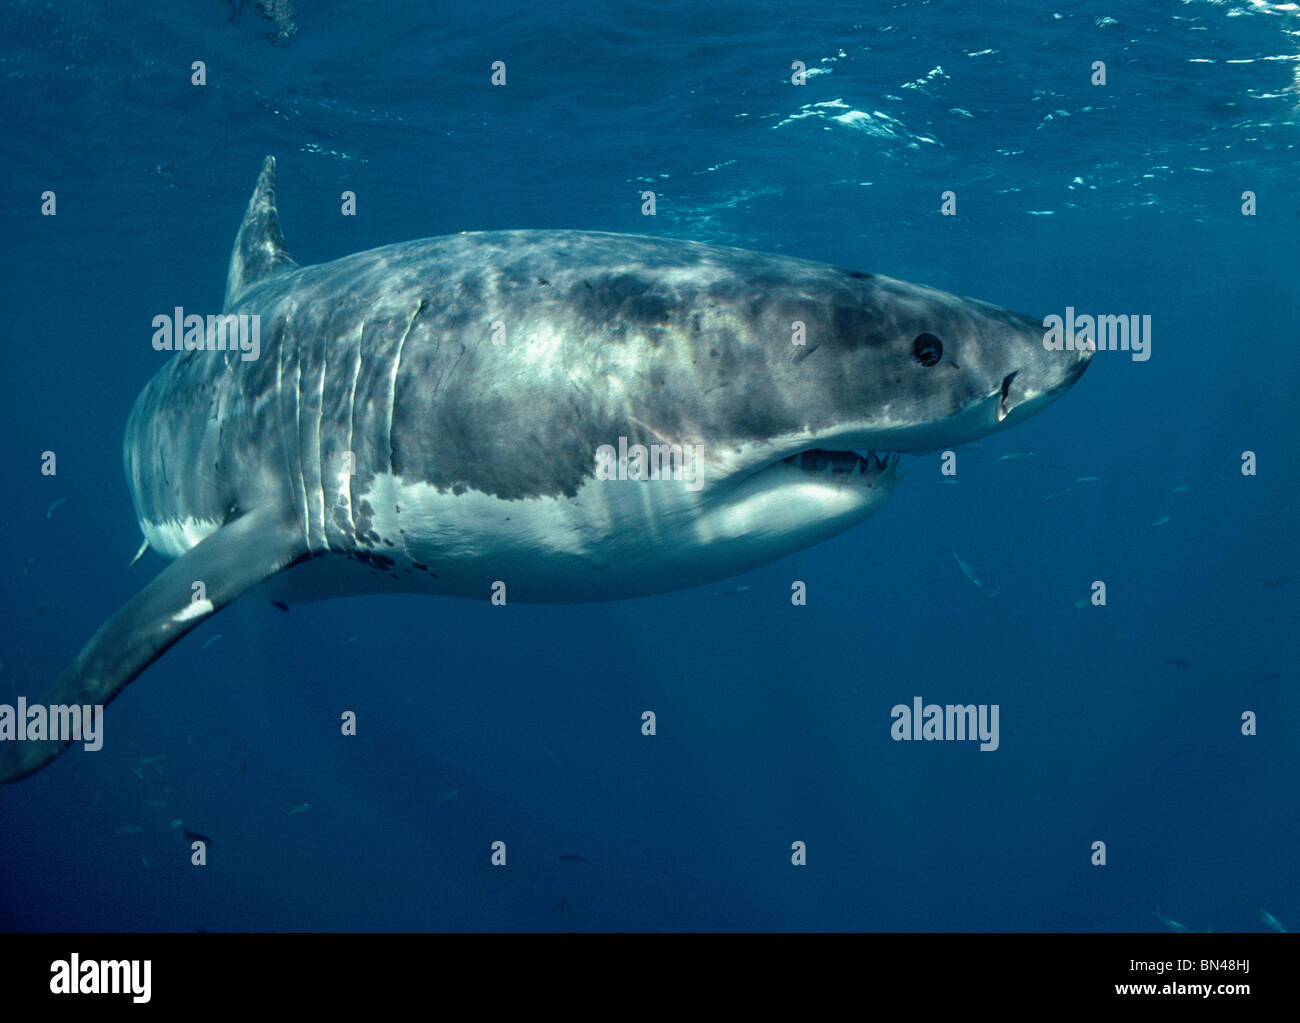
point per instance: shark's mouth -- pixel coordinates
(842, 464)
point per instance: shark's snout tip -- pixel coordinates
(1080, 364)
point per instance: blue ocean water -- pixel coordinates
(1119, 724)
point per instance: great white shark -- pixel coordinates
(441, 415)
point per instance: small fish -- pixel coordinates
(1266, 678)
(1177, 753)
(966, 570)
(995, 592)
(126, 829)
(211, 641)
(281, 605)
(155, 804)
(195, 836)
(300, 808)
(574, 858)
(559, 904)
(1159, 522)
(446, 797)
(1082, 602)
(1173, 925)
(1178, 661)
(145, 861)
(1053, 497)
(49, 512)
(1088, 479)
(735, 591)
(1180, 490)
(177, 823)
(243, 764)
(27, 565)
(1279, 581)
(1016, 456)
(156, 762)
(1268, 917)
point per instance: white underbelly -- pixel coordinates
(613, 539)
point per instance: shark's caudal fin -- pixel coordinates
(259, 250)
(236, 557)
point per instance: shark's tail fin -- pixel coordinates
(259, 250)
(205, 579)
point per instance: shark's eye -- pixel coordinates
(927, 349)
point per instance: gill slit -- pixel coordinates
(392, 405)
(392, 396)
(297, 436)
(350, 453)
(320, 457)
(282, 412)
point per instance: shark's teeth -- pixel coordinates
(846, 465)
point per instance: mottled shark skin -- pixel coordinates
(428, 416)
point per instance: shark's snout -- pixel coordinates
(1082, 362)
(1038, 379)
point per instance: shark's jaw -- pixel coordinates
(777, 498)
(819, 482)
(818, 485)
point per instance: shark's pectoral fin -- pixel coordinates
(235, 558)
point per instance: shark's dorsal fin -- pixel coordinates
(259, 250)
